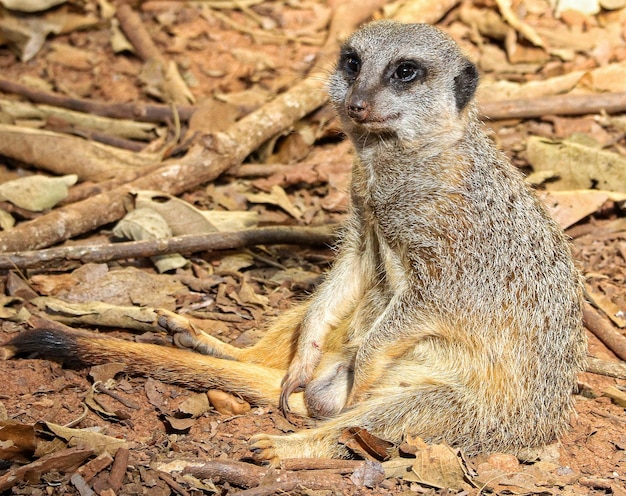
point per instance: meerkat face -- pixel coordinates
(409, 81)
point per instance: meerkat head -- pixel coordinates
(409, 81)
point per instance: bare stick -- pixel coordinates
(180, 244)
(554, 105)
(339, 466)
(604, 367)
(138, 111)
(605, 331)
(247, 475)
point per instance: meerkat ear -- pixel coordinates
(465, 85)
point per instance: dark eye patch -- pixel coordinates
(350, 64)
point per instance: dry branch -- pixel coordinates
(122, 128)
(63, 154)
(247, 475)
(554, 105)
(138, 111)
(604, 367)
(180, 244)
(605, 331)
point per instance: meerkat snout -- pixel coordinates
(358, 109)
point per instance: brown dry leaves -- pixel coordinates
(234, 58)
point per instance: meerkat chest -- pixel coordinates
(391, 262)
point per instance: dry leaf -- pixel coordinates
(180, 424)
(277, 196)
(153, 392)
(26, 35)
(195, 406)
(119, 42)
(31, 5)
(105, 372)
(127, 287)
(247, 295)
(92, 402)
(212, 116)
(491, 90)
(98, 313)
(617, 396)
(74, 437)
(248, 100)
(37, 193)
(227, 404)
(164, 82)
(145, 223)
(397, 467)
(142, 223)
(613, 312)
(7, 221)
(68, 56)
(13, 309)
(578, 166)
(369, 475)
(183, 218)
(180, 216)
(569, 207)
(441, 467)
(17, 441)
(365, 444)
(611, 78)
(524, 29)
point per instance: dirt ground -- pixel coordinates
(233, 58)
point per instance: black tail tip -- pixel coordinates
(51, 344)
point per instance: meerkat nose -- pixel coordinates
(358, 109)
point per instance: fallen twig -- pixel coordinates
(64, 154)
(118, 469)
(604, 367)
(122, 128)
(336, 465)
(554, 105)
(323, 235)
(138, 111)
(264, 480)
(169, 480)
(604, 330)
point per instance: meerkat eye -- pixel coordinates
(409, 71)
(351, 65)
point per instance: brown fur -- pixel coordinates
(453, 310)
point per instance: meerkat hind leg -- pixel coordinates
(389, 413)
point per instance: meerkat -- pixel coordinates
(453, 309)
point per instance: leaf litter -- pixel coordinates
(234, 58)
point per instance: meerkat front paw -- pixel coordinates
(298, 375)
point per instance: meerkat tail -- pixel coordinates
(255, 383)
